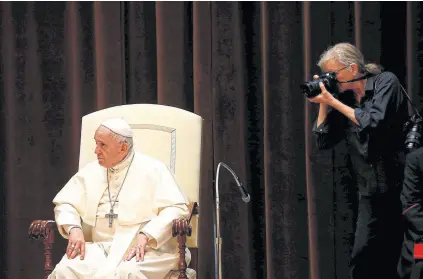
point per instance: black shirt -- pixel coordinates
(374, 144)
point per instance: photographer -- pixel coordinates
(369, 114)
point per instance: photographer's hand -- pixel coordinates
(323, 98)
(323, 110)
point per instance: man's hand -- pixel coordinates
(323, 98)
(76, 244)
(138, 249)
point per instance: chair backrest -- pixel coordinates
(166, 133)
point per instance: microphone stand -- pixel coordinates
(218, 244)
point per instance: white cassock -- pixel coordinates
(149, 200)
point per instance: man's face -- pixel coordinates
(343, 73)
(108, 149)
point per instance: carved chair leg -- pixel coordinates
(48, 252)
(182, 239)
(43, 230)
(181, 229)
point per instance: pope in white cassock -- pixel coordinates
(117, 213)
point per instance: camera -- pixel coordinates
(311, 88)
(413, 131)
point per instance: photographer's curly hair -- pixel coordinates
(348, 54)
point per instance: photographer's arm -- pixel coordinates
(325, 98)
(344, 109)
(323, 113)
(384, 99)
(328, 127)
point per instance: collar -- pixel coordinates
(369, 89)
(370, 85)
(124, 163)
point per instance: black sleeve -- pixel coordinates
(411, 195)
(385, 102)
(331, 130)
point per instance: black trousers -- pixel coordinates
(378, 237)
(417, 270)
(408, 268)
(406, 261)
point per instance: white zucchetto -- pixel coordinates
(119, 126)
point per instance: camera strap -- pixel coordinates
(406, 96)
(409, 100)
(357, 79)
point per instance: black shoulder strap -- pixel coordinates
(403, 91)
(409, 100)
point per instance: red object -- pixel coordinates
(418, 250)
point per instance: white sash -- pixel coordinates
(124, 236)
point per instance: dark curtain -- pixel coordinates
(239, 66)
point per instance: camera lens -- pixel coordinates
(413, 137)
(311, 89)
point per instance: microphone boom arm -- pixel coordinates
(218, 245)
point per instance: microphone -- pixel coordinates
(244, 193)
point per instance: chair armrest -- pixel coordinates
(44, 230)
(41, 230)
(181, 229)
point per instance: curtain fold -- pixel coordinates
(140, 52)
(174, 54)
(236, 64)
(284, 149)
(203, 105)
(229, 90)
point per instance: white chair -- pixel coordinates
(169, 134)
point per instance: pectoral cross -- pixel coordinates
(111, 215)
